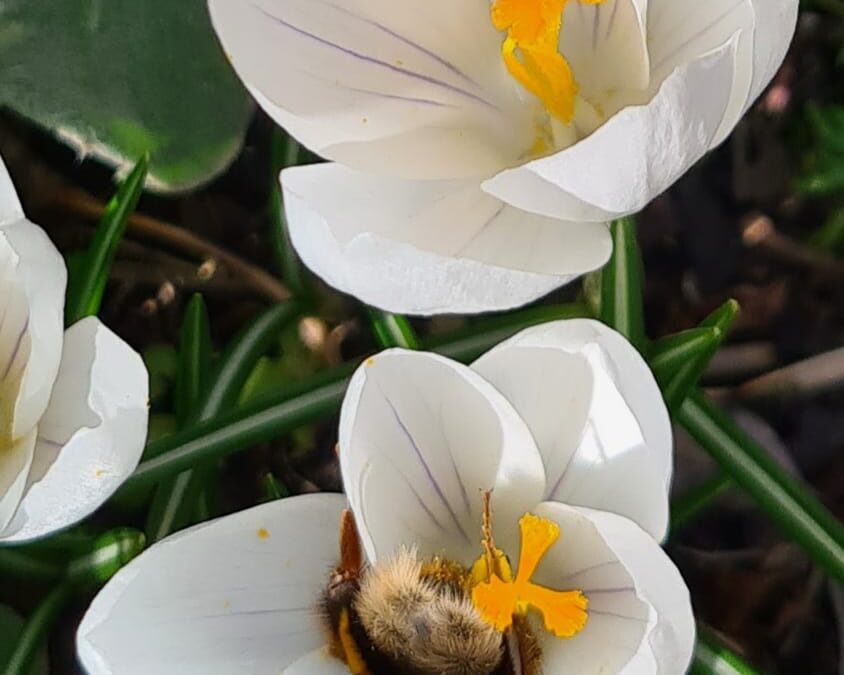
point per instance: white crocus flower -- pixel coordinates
(563, 422)
(73, 404)
(481, 146)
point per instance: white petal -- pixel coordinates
(15, 461)
(10, 206)
(596, 414)
(632, 158)
(423, 79)
(431, 247)
(235, 596)
(317, 662)
(774, 28)
(606, 46)
(91, 436)
(36, 270)
(640, 616)
(421, 437)
(682, 30)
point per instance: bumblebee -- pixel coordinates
(414, 616)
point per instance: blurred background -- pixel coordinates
(88, 87)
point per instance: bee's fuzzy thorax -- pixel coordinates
(424, 620)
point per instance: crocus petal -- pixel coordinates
(407, 75)
(640, 616)
(596, 414)
(317, 662)
(683, 30)
(33, 265)
(91, 436)
(421, 437)
(606, 45)
(632, 158)
(10, 206)
(15, 461)
(233, 596)
(425, 247)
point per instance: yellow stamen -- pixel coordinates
(531, 50)
(497, 600)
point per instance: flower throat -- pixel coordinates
(531, 51)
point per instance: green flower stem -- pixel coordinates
(621, 285)
(22, 565)
(713, 658)
(798, 513)
(686, 508)
(37, 628)
(285, 152)
(291, 407)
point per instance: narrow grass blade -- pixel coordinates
(87, 285)
(392, 330)
(778, 495)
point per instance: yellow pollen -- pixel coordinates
(531, 50)
(497, 600)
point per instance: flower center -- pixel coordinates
(531, 51)
(500, 596)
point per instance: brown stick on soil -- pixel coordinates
(80, 202)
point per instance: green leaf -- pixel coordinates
(621, 285)
(685, 508)
(669, 354)
(31, 639)
(11, 628)
(194, 366)
(119, 78)
(86, 287)
(290, 407)
(392, 330)
(713, 658)
(109, 552)
(194, 358)
(176, 499)
(777, 494)
(676, 386)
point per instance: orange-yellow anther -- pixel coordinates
(531, 50)
(497, 600)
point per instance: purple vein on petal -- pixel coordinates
(425, 466)
(410, 43)
(399, 97)
(370, 59)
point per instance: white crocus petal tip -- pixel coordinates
(10, 205)
(627, 367)
(421, 437)
(429, 247)
(606, 451)
(92, 434)
(640, 618)
(235, 595)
